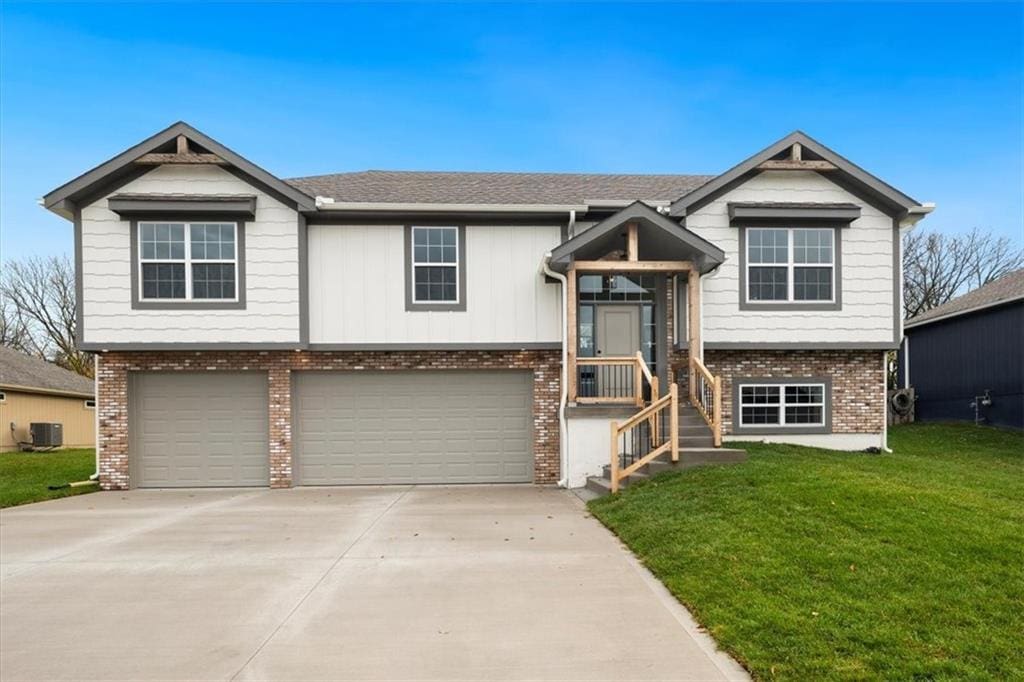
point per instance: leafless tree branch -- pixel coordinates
(938, 267)
(39, 311)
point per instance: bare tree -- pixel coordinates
(938, 267)
(39, 311)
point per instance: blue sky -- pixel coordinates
(926, 96)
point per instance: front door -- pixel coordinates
(618, 335)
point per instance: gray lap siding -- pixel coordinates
(113, 397)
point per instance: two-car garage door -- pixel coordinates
(412, 427)
(194, 429)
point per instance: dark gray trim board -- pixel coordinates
(737, 382)
(240, 207)
(682, 319)
(433, 219)
(859, 181)
(452, 346)
(410, 305)
(661, 285)
(791, 306)
(897, 283)
(842, 213)
(94, 347)
(138, 304)
(303, 237)
(79, 285)
(800, 345)
(350, 347)
(91, 181)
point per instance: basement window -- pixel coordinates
(782, 405)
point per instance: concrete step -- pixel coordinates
(606, 473)
(688, 458)
(704, 441)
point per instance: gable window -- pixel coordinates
(436, 263)
(188, 261)
(774, 405)
(790, 265)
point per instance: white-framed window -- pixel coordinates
(90, 404)
(435, 265)
(3, 397)
(188, 261)
(792, 405)
(790, 265)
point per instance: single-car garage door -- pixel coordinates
(195, 429)
(413, 427)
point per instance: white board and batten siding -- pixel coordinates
(867, 270)
(357, 284)
(271, 314)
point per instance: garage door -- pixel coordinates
(195, 429)
(413, 427)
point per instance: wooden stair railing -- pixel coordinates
(706, 396)
(645, 436)
(617, 380)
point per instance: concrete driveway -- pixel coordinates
(393, 583)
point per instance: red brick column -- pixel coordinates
(112, 439)
(280, 387)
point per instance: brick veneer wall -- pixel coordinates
(857, 388)
(112, 398)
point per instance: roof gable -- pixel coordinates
(165, 147)
(662, 236)
(798, 151)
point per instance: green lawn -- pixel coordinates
(814, 564)
(24, 476)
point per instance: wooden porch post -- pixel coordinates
(693, 326)
(632, 242)
(571, 329)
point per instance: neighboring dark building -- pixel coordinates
(964, 348)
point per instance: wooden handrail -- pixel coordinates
(651, 414)
(712, 413)
(641, 372)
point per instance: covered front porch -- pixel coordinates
(634, 297)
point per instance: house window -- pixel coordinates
(188, 261)
(435, 265)
(90, 404)
(781, 405)
(3, 397)
(790, 265)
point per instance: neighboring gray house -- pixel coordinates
(967, 353)
(445, 327)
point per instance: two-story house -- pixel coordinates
(444, 327)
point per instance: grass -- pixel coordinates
(25, 476)
(815, 564)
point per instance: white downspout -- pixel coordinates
(563, 451)
(96, 413)
(885, 402)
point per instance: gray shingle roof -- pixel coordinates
(434, 187)
(18, 369)
(1005, 289)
